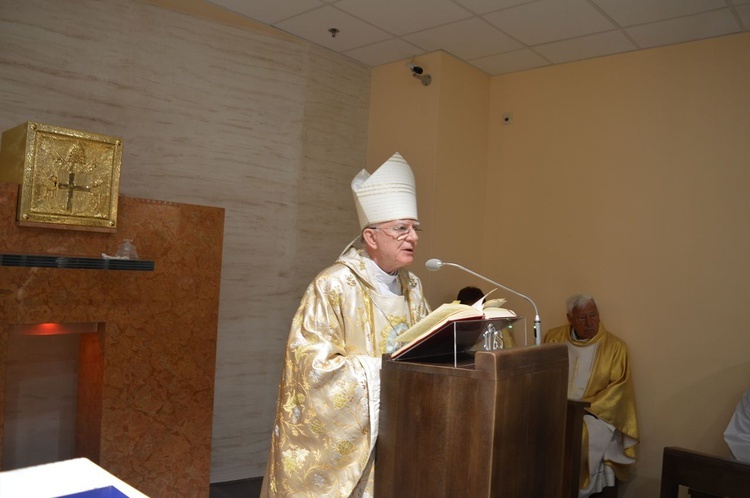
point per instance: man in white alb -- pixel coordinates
(599, 372)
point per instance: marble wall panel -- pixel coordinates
(149, 397)
(269, 128)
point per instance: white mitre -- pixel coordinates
(388, 194)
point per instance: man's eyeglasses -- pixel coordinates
(400, 231)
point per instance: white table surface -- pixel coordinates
(59, 479)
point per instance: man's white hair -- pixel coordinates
(578, 301)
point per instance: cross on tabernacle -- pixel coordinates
(72, 187)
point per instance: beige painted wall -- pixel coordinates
(630, 177)
(624, 177)
(441, 129)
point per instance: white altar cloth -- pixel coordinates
(63, 478)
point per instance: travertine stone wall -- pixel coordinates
(269, 128)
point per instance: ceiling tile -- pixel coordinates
(632, 12)
(586, 47)
(550, 20)
(314, 26)
(710, 24)
(485, 6)
(268, 11)
(744, 12)
(491, 34)
(469, 39)
(384, 52)
(519, 60)
(404, 16)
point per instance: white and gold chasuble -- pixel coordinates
(326, 417)
(599, 372)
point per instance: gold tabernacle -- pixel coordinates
(68, 178)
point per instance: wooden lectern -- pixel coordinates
(491, 426)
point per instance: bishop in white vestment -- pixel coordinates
(327, 412)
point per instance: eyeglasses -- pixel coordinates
(401, 231)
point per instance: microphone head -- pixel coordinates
(433, 264)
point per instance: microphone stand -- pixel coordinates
(436, 264)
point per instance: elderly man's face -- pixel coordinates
(585, 320)
(391, 244)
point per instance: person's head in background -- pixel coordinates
(470, 295)
(583, 315)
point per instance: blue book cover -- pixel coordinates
(108, 492)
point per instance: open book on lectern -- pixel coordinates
(437, 327)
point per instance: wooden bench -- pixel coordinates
(706, 476)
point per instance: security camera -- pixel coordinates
(417, 72)
(415, 69)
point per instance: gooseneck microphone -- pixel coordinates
(435, 264)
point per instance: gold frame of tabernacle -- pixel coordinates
(68, 178)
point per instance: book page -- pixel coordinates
(490, 313)
(443, 314)
(495, 303)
